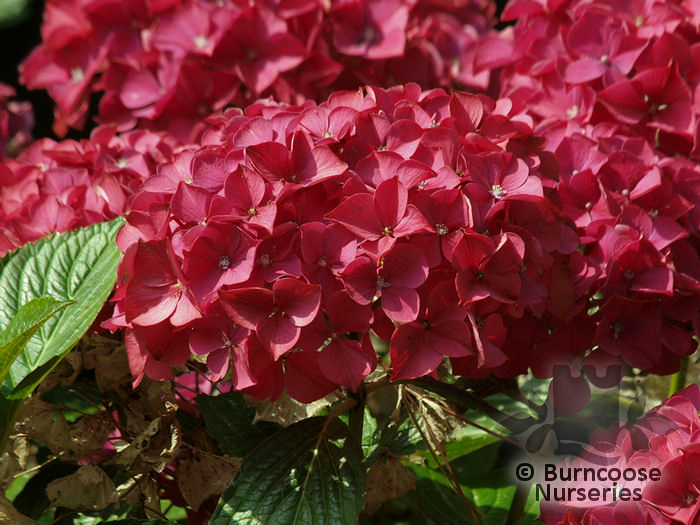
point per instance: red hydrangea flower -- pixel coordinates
(343, 358)
(374, 30)
(218, 256)
(167, 65)
(156, 289)
(275, 315)
(401, 270)
(383, 217)
(488, 267)
(418, 347)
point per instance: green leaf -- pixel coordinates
(22, 328)
(13, 12)
(468, 440)
(229, 420)
(306, 474)
(436, 499)
(493, 496)
(531, 512)
(402, 439)
(475, 464)
(78, 266)
(370, 437)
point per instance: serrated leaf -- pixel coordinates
(437, 500)
(306, 474)
(78, 266)
(22, 327)
(229, 420)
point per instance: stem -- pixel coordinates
(444, 465)
(482, 428)
(678, 379)
(8, 416)
(467, 400)
(356, 416)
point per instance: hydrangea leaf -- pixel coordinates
(27, 322)
(494, 496)
(229, 420)
(78, 266)
(308, 473)
(13, 12)
(437, 500)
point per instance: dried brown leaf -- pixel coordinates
(140, 490)
(287, 411)
(201, 439)
(112, 372)
(64, 374)
(151, 400)
(384, 403)
(14, 460)
(154, 449)
(436, 424)
(150, 498)
(88, 488)
(44, 422)
(95, 346)
(89, 434)
(202, 475)
(387, 479)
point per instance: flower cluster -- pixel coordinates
(561, 217)
(57, 186)
(439, 221)
(16, 123)
(169, 64)
(613, 87)
(291, 231)
(608, 69)
(666, 438)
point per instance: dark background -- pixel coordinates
(16, 42)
